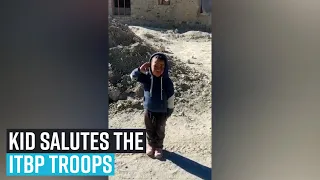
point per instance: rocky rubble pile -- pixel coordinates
(128, 52)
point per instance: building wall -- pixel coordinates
(178, 11)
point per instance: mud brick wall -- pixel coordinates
(178, 11)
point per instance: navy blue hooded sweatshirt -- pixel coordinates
(158, 91)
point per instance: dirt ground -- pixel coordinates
(188, 131)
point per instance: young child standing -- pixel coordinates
(158, 100)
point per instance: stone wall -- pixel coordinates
(179, 13)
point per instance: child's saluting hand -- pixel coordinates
(145, 67)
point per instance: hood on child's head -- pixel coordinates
(165, 58)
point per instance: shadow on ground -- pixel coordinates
(188, 165)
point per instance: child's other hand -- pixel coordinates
(144, 67)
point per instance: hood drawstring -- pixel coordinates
(152, 87)
(161, 87)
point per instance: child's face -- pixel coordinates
(157, 67)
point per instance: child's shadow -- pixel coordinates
(188, 165)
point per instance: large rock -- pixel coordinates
(139, 90)
(114, 93)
